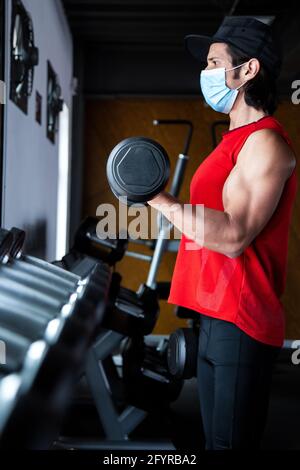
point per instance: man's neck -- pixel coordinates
(243, 114)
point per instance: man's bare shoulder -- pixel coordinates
(268, 147)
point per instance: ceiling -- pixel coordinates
(146, 37)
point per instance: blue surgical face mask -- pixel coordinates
(215, 91)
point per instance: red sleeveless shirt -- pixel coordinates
(245, 290)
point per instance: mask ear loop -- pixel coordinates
(241, 85)
(236, 67)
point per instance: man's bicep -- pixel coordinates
(250, 197)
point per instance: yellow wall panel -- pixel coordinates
(109, 121)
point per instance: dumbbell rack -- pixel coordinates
(103, 373)
(104, 383)
(47, 317)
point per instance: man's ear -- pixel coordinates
(254, 66)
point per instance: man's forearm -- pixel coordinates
(207, 227)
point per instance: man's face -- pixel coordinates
(218, 56)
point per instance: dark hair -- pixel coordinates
(261, 91)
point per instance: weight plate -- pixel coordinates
(138, 168)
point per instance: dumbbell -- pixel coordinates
(147, 382)
(34, 308)
(138, 168)
(6, 242)
(11, 243)
(131, 313)
(18, 242)
(182, 353)
(88, 243)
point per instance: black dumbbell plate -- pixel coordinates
(138, 168)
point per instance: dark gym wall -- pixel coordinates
(31, 161)
(109, 121)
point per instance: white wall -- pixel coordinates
(29, 193)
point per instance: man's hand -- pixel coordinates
(158, 199)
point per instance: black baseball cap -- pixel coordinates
(251, 36)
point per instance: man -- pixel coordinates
(241, 197)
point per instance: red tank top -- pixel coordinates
(245, 290)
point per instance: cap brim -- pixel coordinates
(198, 46)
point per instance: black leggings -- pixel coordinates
(234, 374)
